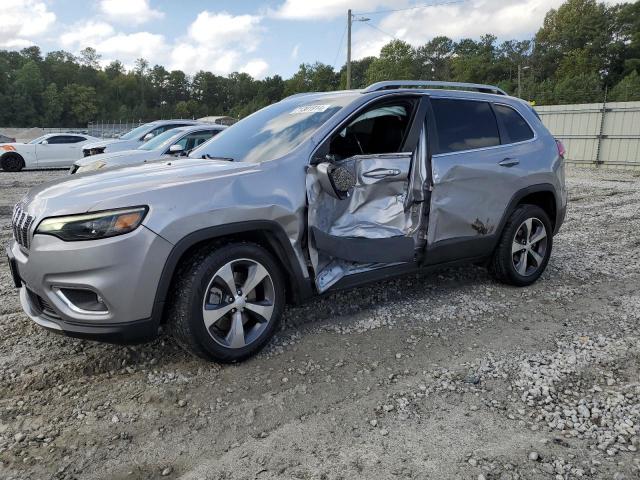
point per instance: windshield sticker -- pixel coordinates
(310, 109)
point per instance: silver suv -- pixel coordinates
(319, 192)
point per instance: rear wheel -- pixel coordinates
(12, 162)
(524, 248)
(227, 302)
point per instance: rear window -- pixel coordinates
(464, 125)
(516, 127)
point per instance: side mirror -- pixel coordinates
(336, 181)
(44, 142)
(176, 148)
(148, 137)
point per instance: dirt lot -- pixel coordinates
(442, 376)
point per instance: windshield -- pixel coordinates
(273, 131)
(39, 139)
(161, 141)
(136, 133)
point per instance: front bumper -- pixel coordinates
(139, 331)
(123, 271)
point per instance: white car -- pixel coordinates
(53, 150)
(176, 142)
(134, 138)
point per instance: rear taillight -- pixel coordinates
(561, 150)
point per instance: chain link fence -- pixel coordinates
(111, 129)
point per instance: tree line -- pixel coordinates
(582, 50)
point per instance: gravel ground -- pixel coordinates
(441, 376)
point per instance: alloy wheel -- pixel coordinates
(529, 247)
(238, 303)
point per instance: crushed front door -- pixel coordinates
(367, 210)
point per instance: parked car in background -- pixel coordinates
(316, 193)
(219, 120)
(134, 138)
(53, 150)
(5, 139)
(175, 142)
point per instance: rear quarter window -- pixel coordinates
(464, 125)
(516, 127)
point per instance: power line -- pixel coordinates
(380, 30)
(339, 47)
(412, 8)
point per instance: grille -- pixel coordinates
(42, 305)
(87, 152)
(21, 223)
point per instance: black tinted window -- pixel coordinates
(59, 139)
(516, 127)
(464, 125)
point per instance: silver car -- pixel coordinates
(134, 138)
(175, 142)
(316, 193)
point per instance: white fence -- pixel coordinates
(596, 133)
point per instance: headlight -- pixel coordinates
(92, 226)
(90, 167)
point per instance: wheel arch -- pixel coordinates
(12, 153)
(542, 195)
(268, 234)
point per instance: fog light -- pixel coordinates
(81, 300)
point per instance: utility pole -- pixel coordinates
(350, 19)
(520, 68)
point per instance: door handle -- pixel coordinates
(509, 162)
(382, 173)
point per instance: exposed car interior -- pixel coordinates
(379, 130)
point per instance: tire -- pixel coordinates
(12, 162)
(524, 248)
(239, 323)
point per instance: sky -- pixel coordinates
(261, 38)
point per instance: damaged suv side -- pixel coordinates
(318, 192)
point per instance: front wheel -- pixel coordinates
(227, 302)
(12, 163)
(524, 248)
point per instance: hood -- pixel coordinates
(118, 158)
(127, 186)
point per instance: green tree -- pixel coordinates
(359, 69)
(396, 62)
(583, 88)
(434, 59)
(627, 90)
(89, 58)
(53, 105)
(27, 93)
(80, 103)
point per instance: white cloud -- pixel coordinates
(112, 45)
(295, 51)
(218, 29)
(256, 67)
(326, 9)
(134, 45)
(131, 12)
(471, 19)
(218, 42)
(86, 34)
(22, 20)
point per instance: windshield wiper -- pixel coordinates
(228, 159)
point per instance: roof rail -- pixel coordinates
(429, 84)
